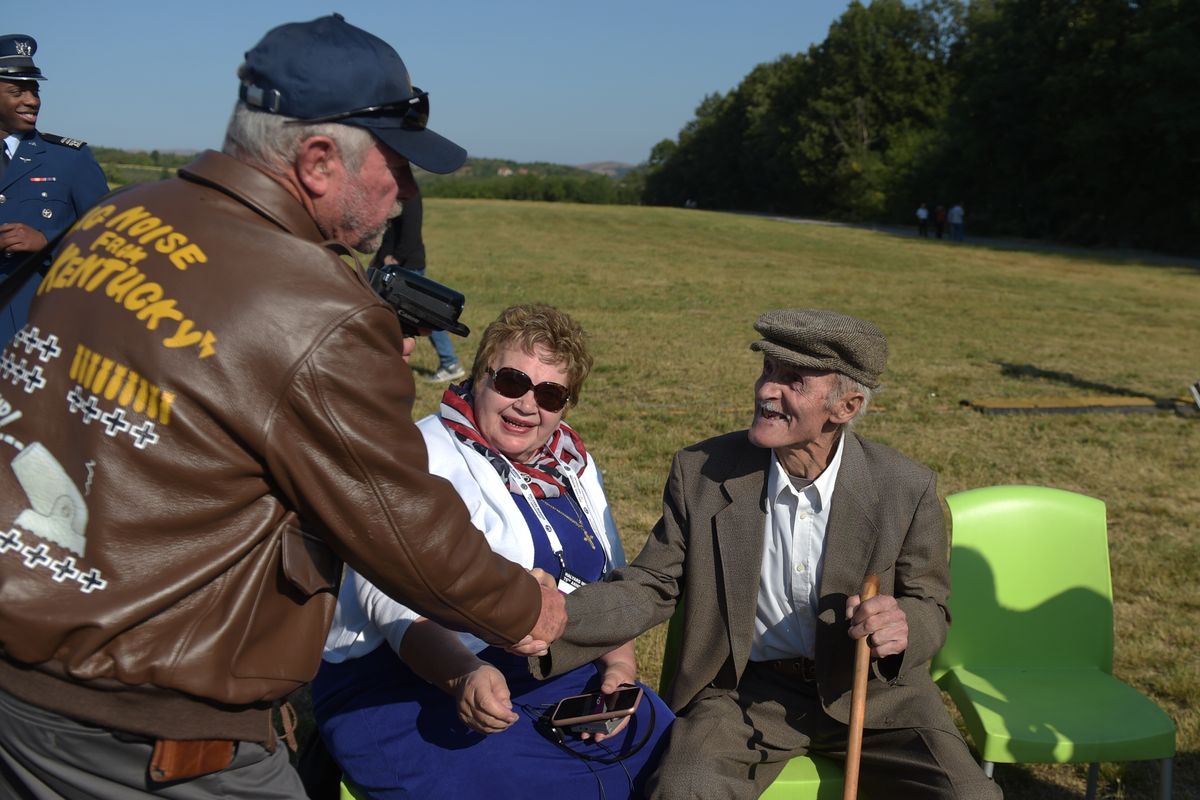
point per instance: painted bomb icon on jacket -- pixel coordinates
(57, 511)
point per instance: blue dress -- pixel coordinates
(396, 736)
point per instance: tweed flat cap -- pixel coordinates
(826, 340)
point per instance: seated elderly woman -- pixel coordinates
(410, 709)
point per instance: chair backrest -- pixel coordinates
(1030, 580)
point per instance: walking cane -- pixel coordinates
(858, 699)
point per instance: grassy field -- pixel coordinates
(669, 297)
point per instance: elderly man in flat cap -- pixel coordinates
(213, 415)
(765, 540)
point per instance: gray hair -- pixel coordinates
(846, 385)
(267, 140)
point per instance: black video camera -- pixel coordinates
(419, 302)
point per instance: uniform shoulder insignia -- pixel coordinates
(65, 141)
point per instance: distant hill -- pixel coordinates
(599, 182)
(502, 179)
(474, 168)
(613, 169)
(489, 167)
(138, 166)
(477, 168)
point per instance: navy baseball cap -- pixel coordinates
(328, 70)
(16, 58)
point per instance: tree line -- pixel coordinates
(1066, 120)
(506, 180)
(480, 178)
(1072, 120)
(134, 166)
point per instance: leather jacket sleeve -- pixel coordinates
(355, 466)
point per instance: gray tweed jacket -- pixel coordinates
(885, 519)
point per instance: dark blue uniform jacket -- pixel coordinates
(49, 183)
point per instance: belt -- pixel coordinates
(800, 668)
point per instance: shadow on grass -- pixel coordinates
(1132, 780)
(1067, 379)
(1018, 781)
(1187, 776)
(1108, 255)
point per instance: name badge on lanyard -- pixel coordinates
(567, 581)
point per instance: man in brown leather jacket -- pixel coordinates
(207, 411)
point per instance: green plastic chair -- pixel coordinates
(1028, 660)
(804, 777)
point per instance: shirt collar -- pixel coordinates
(10, 144)
(819, 492)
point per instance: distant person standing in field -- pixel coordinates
(955, 218)
(939, 221)
(923, 221)
(404, 246)
(46, 181)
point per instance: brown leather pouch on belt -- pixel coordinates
(177, 759)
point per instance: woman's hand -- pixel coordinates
(617, 668)
(484, 702)
(438, 656)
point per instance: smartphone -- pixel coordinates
(595, 712)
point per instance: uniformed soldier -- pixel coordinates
(46, 181)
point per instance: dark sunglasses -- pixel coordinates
(413, 112)
(512, 383)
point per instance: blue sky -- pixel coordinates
(531, 80)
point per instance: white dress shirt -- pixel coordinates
(785, 620)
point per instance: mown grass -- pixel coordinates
(669, 297)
